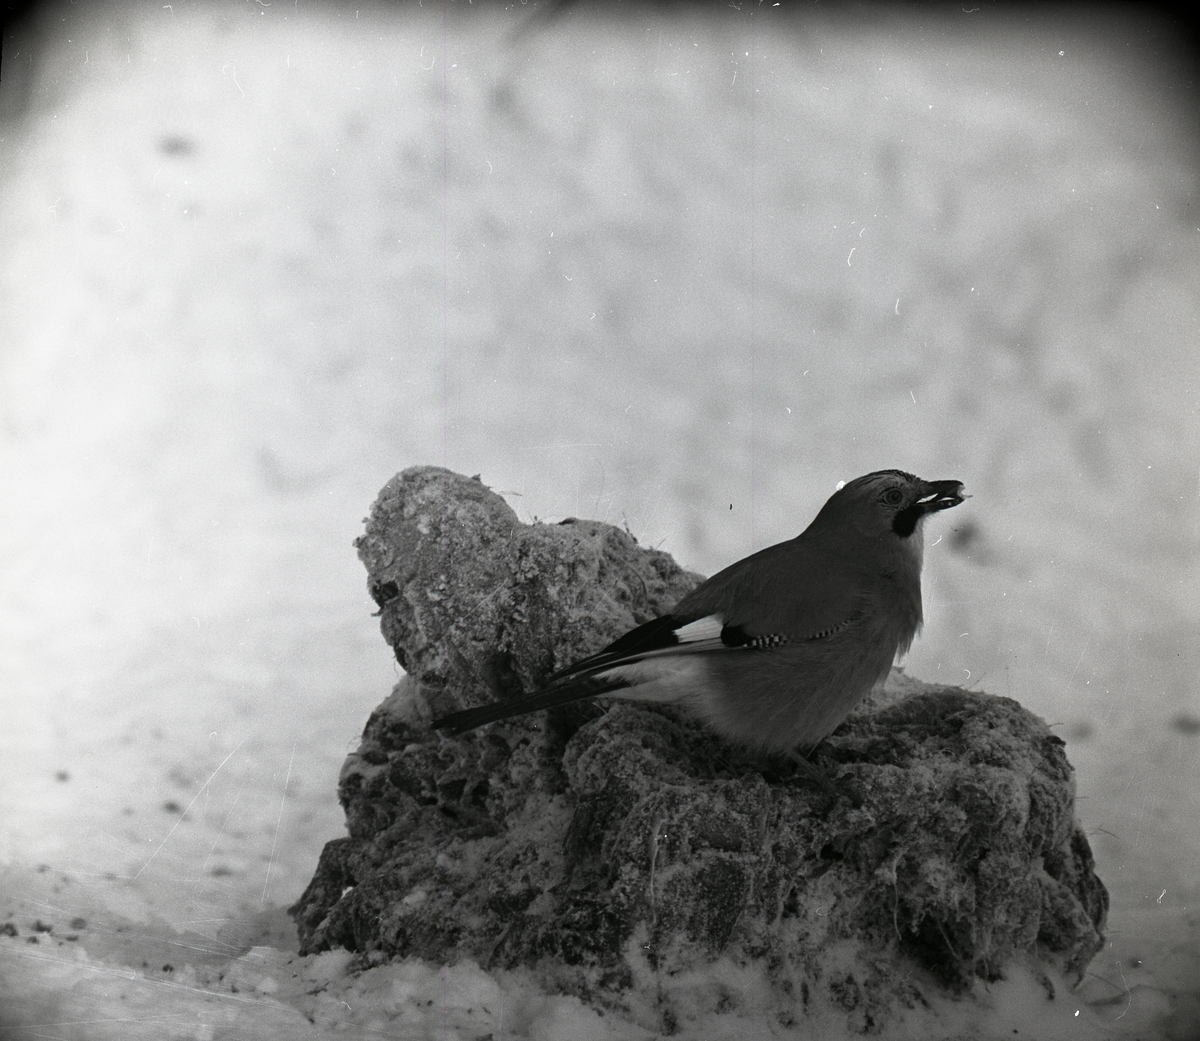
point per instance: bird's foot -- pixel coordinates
(818, 778)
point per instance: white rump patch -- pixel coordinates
(669, 679)
(707, 628)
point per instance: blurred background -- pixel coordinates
(681, 269)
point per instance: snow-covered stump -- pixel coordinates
(632, 858)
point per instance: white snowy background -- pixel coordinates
(677, 270)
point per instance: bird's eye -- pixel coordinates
(893, 497)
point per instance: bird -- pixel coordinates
(774, 651)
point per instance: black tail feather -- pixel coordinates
(579, 690)
(654, 635)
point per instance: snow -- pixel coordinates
(683, 273)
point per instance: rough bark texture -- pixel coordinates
(616, 851)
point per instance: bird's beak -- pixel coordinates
(941, 495)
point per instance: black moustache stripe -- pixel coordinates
(905, 522)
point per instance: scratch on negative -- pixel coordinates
(278, 822)
(184, 814)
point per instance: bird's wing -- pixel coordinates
(783, 594)
(591, 677)
(665, 633)
(789, 592)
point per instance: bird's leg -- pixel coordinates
(815, 774)
(820, 779)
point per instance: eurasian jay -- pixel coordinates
(774, 651)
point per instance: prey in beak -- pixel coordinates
(942, 495)
(935, 496)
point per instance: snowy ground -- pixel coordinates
(679, 272)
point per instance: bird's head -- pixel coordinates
(888, 502)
